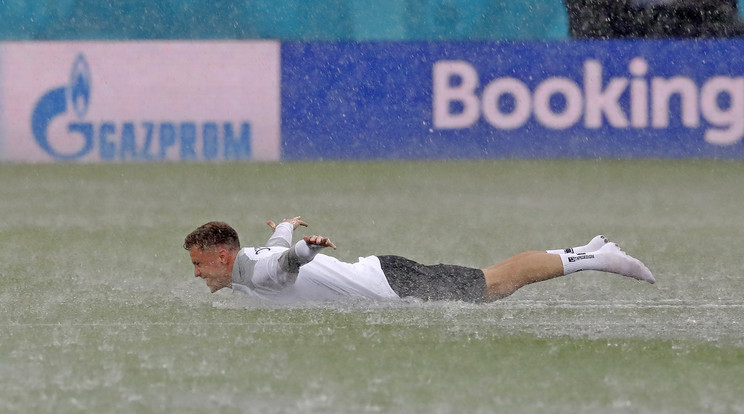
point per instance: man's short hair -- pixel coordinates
(212, 234)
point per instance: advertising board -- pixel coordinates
(615, 99)
(266, 101)
(139, 101)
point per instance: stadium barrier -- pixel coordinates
(614, 99)
(266, 100)
(139, 101)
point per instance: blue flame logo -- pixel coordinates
(55, 103)
(80, 86)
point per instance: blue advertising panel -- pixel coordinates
(417, 100)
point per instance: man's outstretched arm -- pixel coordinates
(319, 241)
(282, 235)
(303, 252)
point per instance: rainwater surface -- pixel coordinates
(100, 312)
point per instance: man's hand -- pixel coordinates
(296, 222)
(319, 241)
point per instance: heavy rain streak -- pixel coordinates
(347, 206)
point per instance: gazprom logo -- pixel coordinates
(113, 140)
(80, 86)
(718, 100)
(54, 104)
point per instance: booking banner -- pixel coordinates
(573, 99)
(139, 101)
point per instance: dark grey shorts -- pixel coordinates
(435, 282)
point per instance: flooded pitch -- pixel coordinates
(100, 311)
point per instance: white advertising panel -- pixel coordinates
(139, 101)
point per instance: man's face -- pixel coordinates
(213, 265)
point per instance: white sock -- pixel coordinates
(573, 262)
(595, 244)
(609, 258)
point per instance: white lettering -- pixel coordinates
(733, 117)
(522, 107)
(663, 90)
(638, 93)
(574, 103)
(600, 101)
(445, 94)
(508, 103)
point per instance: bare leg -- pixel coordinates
(504, 278)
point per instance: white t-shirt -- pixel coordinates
(270, 273)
